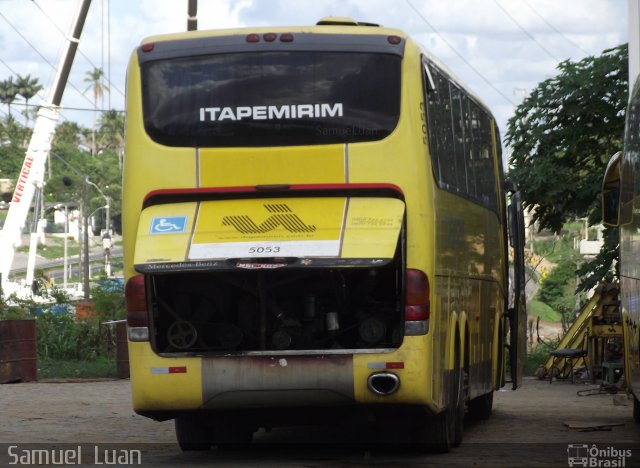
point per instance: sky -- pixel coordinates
(501, 49)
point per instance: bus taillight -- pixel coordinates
(253, 38)
(416, 309)
(148, 47)
(136, 306)
(286, 37)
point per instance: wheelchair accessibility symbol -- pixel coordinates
(168, 225)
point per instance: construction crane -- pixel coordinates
(31, 177)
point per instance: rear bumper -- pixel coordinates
(173, 385)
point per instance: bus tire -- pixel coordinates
(434, 433)
(458, 405)
(440, 432)
(193, 434)
(480, 408)
(636, 409)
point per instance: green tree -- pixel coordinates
(8, 92)
(12, 135)
(71, 161)
(111, 133)
(97, 87)
(562, 137)
(95, 78)
(556, 290)
(27, 88)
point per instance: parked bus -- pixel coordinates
(315, 229)
(620, 201)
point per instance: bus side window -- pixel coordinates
(460, 140)
(459, 160)
(440, 130)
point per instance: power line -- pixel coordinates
(525, 31)
(554, 28)
(26, 40)
(38, 52)
(111, 85)
(486, 80)
(17, 74)
(84, 109)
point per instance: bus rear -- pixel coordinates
(280, 236)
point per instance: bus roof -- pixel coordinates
(314, 29)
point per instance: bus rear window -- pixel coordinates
(271, 98)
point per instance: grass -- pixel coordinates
(102, 367)
(542, 310)
(535, 359)
(54, 248)
(555, 249)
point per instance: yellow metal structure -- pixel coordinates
(597, 322)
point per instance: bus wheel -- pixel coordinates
(437, 434)
(458, 405)
(480, 408)
(636, 409)
(193, 434)
(434, 433)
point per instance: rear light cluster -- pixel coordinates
(270, 37)
(135, 300)
(416, 309)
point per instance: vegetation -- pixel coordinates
(557, 289)
(101, 367)
(535, 358)
(562, 137)
(71, 346)
(540, 309)
(76, 152)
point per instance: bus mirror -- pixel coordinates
(611, 192)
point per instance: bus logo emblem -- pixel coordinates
(282, 215)
(168, 225)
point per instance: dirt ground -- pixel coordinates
(526, 429)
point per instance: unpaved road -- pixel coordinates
(526, 429)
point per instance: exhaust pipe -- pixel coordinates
(383, 383)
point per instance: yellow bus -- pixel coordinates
(620, 199)
(315, 228)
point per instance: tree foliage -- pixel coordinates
(555, 290)
(70, 157)
(562, 137)
(8, 93)
(12, 136)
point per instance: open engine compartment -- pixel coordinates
(239, 311)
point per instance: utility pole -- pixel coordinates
(85, 237)
(192, 15)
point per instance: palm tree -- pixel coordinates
(8, 92)
(111, 132)
(27, 88)
(95, 79)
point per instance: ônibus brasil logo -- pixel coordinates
(594, 456)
